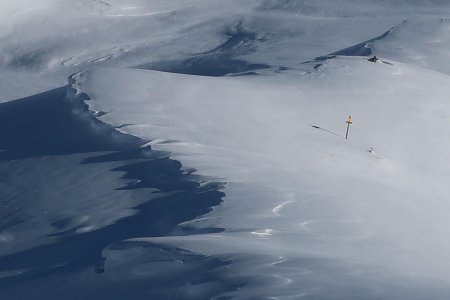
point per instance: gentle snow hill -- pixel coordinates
(295, 191)
(422, 42)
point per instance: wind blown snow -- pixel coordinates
(306, 212)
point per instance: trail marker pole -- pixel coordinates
(349, 121)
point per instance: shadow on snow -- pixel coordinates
(220, 61)
(54, 123)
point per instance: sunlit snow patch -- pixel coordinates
(344, 205)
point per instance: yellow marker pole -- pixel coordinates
(349, 121)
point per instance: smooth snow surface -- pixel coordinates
(199, 151)
(294, 191)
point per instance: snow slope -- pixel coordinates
(224, 185)
(420, 42)
(295, 191)
(43, 42)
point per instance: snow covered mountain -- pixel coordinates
(197, 149)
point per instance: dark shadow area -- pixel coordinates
(220, 61)
(53, 124)
(57, 123)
